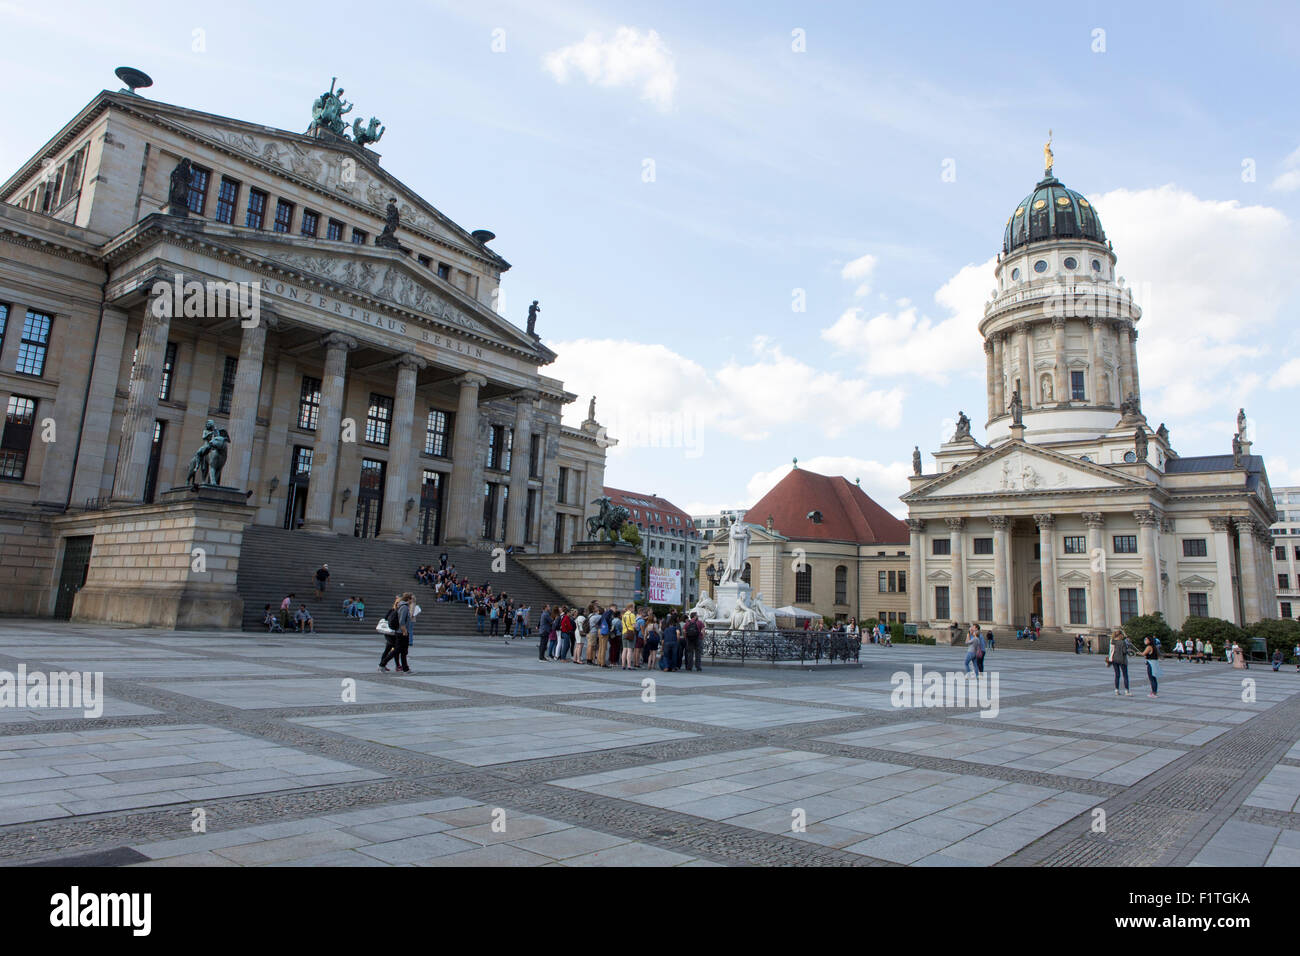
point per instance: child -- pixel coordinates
(272, 621)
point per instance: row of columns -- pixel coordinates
(1002, 346)
(460, 515)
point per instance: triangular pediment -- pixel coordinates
(1019, 468)
(1195, 581)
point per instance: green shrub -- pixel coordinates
(1148, 625)
(868, 623)
(896, 631)
(1281, 634)
(1213, 629)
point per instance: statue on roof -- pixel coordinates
(178, 191)
(365, 135)
(1048, 158)
(591, 410)
(1140, 443)
(963, 427)
(1241, 423)
(532, 320)
(391, 220)
(1236, 451)
(916, 459)
(1017, 407)
(328, 109)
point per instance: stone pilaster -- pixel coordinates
(1133, 363)
(1096, 522)
(990, 369)
(1096, 364)
(517, 533)
(1225, 592)
(397, 481)
(999, 376)
(957, 545)
(465, 490)
(1148, 524)
(142, 401)
(325, 457)
(1060, 385)
(1047, 566)
(1028, 391)
(1123, 355)
(95, 430)
(243, 403)
(916, 584)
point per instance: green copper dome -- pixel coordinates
(1051, 212)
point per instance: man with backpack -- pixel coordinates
(694, 632)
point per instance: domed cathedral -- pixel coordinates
(1078, 515)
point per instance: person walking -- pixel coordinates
(1120, 648)
(1151, 652)
(322, 580)
(973, 641)
(399, 636)
(693, 631)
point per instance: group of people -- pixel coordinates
(399, 633)
(631, 638)
(279, 621)
(355, 607)
(1121, 649)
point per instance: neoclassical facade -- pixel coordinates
(1077, 513)
(344, 336)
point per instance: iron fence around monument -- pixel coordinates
(777, 646)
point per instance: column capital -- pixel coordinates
(1045, 521)
(1094, 519)
(337, 340)
(526, 395)
(1123, 326)
(916, 525)
(1000, 336)
(470, 378)
(988, 346)
(1058, 322)
(1220, 523)
(1132, 333)
(1147, 519)
(1022, 327)
(408, 361)
(1098, 322)
(955, 524)
(1000, 522)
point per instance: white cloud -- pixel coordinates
(1288, 376)
(1289, 181)
(650, 396)
(882, 481)
(860, 270)
(628, 58)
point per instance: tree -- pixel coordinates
(1281, 634)
(1214, 629)
(1148, 625)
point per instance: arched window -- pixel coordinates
(745, 575)
(803, 585)
(841, 585)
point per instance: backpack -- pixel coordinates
(604, 626)
(693, 629)
(394, 620)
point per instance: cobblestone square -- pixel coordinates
(299, 752)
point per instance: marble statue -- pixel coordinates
(743, 616)
(963, 427)
(738, 535)
(591, 410)
(1017, 407)
(1236, 451)
(532, 330)
(1140, 443)
(706, 609)
(1047, 388)
(916, 459)
(1241, 423)
(1163, 432)
(766, 616)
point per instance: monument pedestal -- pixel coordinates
(727, 596)
(590, 571)
(169, 564)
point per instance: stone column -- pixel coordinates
(397, 479)
(1096, 365)
(1148, 522)
(957, 593)
(916, 587)
(1001, 615)
(97, 427)
(1096, 521)
(1000, 373)
(1008, 545)
(517, 534)
(325, 456)
(989, 367)
(142, 401)
(465, 491)
(1059, 375)
(1133, 362)
(1027, 397)
(1224, 593)
(1047, 565)
(1123, 355)
(243, 403)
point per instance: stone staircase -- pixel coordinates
(273, 562)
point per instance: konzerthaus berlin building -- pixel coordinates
(377, 393)
(1077, 513)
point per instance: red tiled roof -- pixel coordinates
(635, 501)
(848, 513)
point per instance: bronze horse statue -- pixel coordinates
(609, 520)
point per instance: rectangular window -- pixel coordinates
(1078, 606)
(882, 582)
(984, 604)
(283, 215)
(197, 198)
(1284, 582)
(359, 236)
(562, 492)
(496, 438)
(841, 585)
(489, 510)
(436, 433)
(1297, 550)
(379, 417)
(4, 323)
(425, 261)
(168, 373)
(893, 582)
(1194, 548)
(803, 586)
(941, 546)
(1076, 387)
(20, 418)
(1038, 551)
(902, 582)
(334, 230)
(227, 200)
(508, 457)
(1075, 544)
(1198, 604)
(983, 545)
(530, 515)
(1280, 552)
(444, 271)
(1286, 609)
(1125, 543)
(35, 342)
(310, 223)
(1128, 604)
(535, 457)
(309, 403)
(256, 216)
(941, 603)
(505, 513)
(227, 384)
(302, 461)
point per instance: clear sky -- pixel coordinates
(765, 230)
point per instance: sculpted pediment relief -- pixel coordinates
(1021, 469)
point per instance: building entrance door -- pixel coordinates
(370, 498)
(431, 507)
(76, 563)
(1038, 601)
(295, 505)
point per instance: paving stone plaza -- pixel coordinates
(485, 756)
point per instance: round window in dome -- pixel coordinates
(1040, 265)
(1071, 263)
(1040, 204)
(1015, 275)
(1130, 456)
(1085, 458)
(1096, 265)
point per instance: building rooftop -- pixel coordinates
(840, 510)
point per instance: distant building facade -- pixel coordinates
(708, 524)
(1286, 551)
(668, 535)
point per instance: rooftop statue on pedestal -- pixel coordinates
(1140, 443)
(1241, 423)
(364, 136)
(328, 110)
(178, 191)
(532, 330)
(916, 459)
(1017, 408)
(963, 427)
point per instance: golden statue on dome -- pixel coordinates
(1047, 154)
